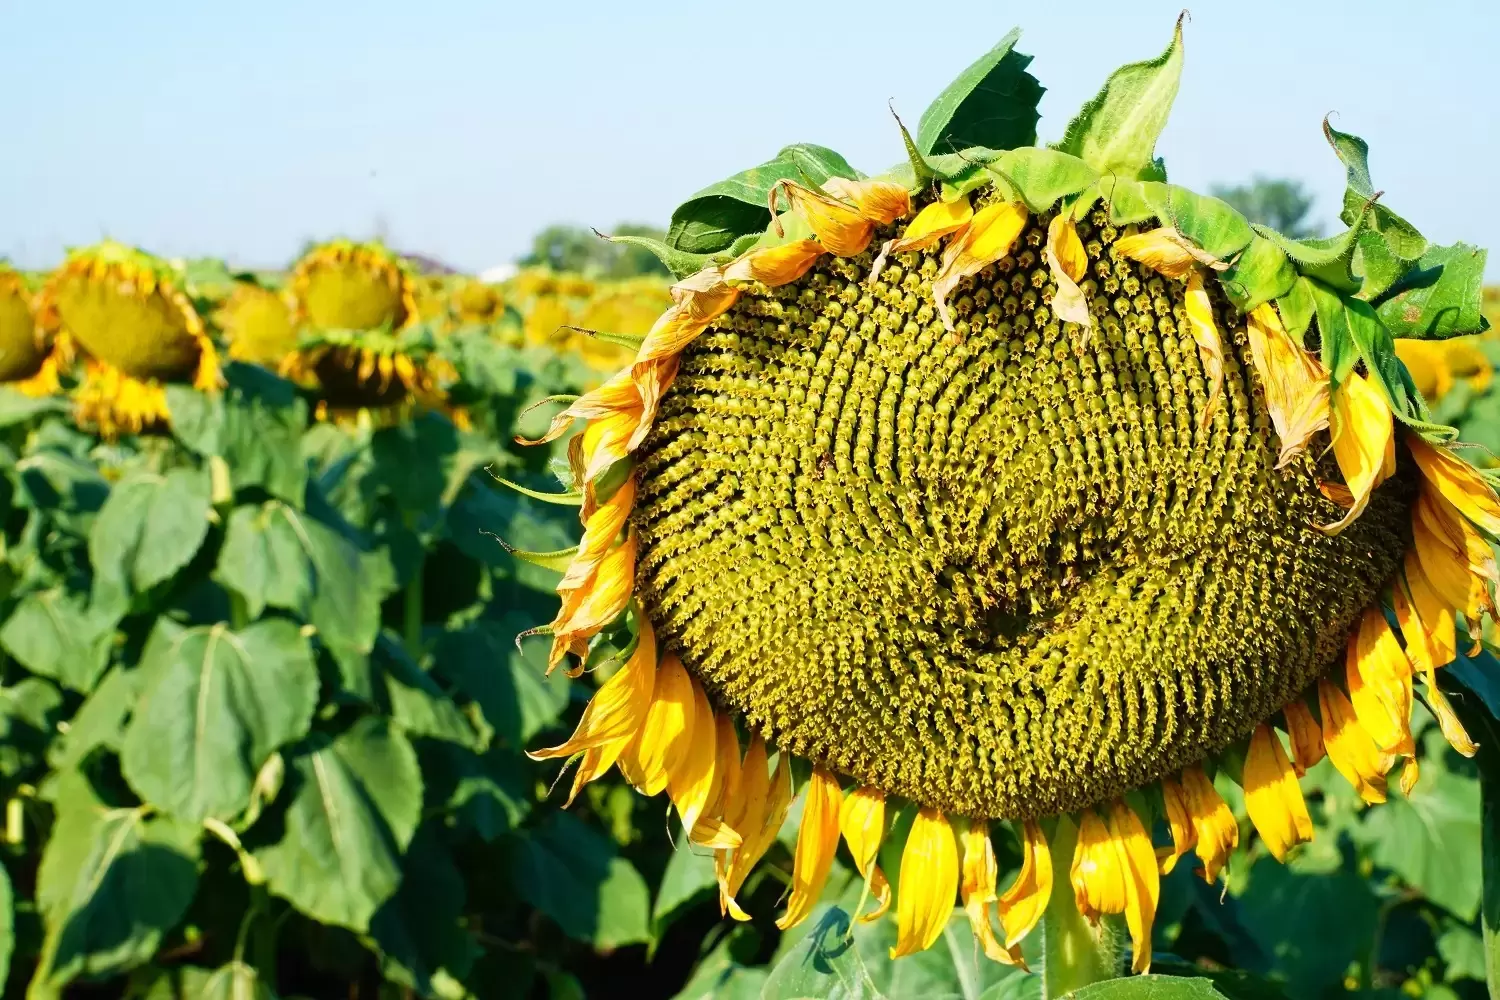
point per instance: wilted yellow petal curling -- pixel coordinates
(774, 266)
(1165, 251)
(1379, 678)
(1363, 434)
(1350, 747)
(745, 813)
(842, 229)
(618, 709)
(1069, 263)
(1295, 382)
(988, 237)
(1179, 824)
(600, 530)
(977, 891)
(596, 603)
(663, 739)
(758, 838)
(727, 785)
(693, 784)
(1453, 730)
(1455, 557)
(618, 394)
(1458, 482)
(1022, 905)
(1307, 739)
(1213, 823)
(862, 822)
(1142, 882)
(1200, 314)
(929, 882)
(1272, 797)
(1097, 875)
(939, 219)
(1437, 636)
(817, 842)
(880, 202)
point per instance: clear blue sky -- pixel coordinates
(463, 126)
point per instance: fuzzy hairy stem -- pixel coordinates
(1075, 952)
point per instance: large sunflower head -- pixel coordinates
(29, 358)
(128, 312)
(1006, 486)
(257, 324)
(370, 375)
(343, 285)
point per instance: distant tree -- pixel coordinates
(1280, 203)
(572, 248)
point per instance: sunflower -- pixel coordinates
(1005, 491)
(344, 285)
(476, 302)
(138, 330)
(1436, 366)
(29, 358)
(257, 323)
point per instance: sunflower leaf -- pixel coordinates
(1258, 275)
(1351, 330)
(1116, 131)
(1439, 297)
(992, 103)
(1212, 224)
(1041, 177)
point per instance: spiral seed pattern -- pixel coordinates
(999, 570)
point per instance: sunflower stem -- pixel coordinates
(1075, 952)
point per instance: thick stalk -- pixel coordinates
(1075, 952)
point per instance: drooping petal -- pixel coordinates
(606, 440)
(1363, 432)
(1179, 823)
(1200, 314)
(597, 603)
(929, 882)
(842, 229)
(664, 738)
(1306, 737)
(618, 394)
(1097, 875)
(1272, 796)
(1458, 482)
(1437, 636)
(939, 219)
(881, 202)
(1295, 382)
(817, 842)
(1022, 905)
(862, 822)
(1069, 262)
(1453, 730)
(1214, 824)
(1350, 747)
(1142, 881)
(600, 530)
(745, 813)
(620, 706)
(988, 237)
(1379, 678)
(977, 891)
(693, 785)
(759, 838)
(1455, 557)
(1163, 250)
(775, 266)
(727, 784)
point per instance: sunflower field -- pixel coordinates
(1004, 577)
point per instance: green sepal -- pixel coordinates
(558, 559)
(1042, 177)
(570, 499)
(1351, 330)
(612, 478)
(682, 263)
(630, 341)
(1440, 296)
(713, 219)
(1116, 132)
(921, 172)
(1127, 200)
(1258, 275)
(992, 103)
(1214, 225)
(1297, 309)
(1328, 259)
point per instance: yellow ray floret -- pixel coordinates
(1351, 749)
(1379, 677)
(1167, 252)
(1307, 739)
(1272, 797)
(862, 822)
(1215, 832)
(931, 224)
(977, 891)
(1295, 382)
(1022, 905)
(1069, 263)
(1200, 314)
(1364, 441)
(817, 842)
(988, 237)
(929, 881)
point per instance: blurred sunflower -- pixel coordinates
(1004, 485)
(29, 356)
(138, 331)
(475, 302)
(568, 312)
(1436, 366)
(257, 324)
(357, 349)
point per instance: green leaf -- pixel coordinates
(100, 720)
(1041, 177)
(713, 219)
(68, 489)
(1151, 988)
(682, 264)
(1441, 296)
(7, 923)
(420, 930)
(213, 705)
(150, 528)
(729, 972)
(688, 879)
(1297, 309)
(235, 981)
(30, 712)
(489, 793)
(1116, 132)
(1390, 243)
(51, 633)
(1312, 924)
(19, 408)
(278, 556)
(1462, 950)
(255, 425)
(1432, 840)
(1258, 275)
(510, 685)
(352, 807)
(993, 103)
(415, 702)
(1209, 222)
(1350, 327)
(573, 874)
(1329, 260)
(111, 884)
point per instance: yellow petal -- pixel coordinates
(600, 530)
(746, 814)
(727, 783)
(1022, 905)
(929, 881)
(817, 842)
(597, 602)
(1458, 482)
(663, 740)
(842, 229)
(775, 266)
(1179, 823)
(693, 784)
(881, 202)
(1363, 433)
(939, 219)
(977, 891)
(987, 238)
(1069, 262)
(1137, 859)
(1294, 380)
(1164, 250)
(619, 707)
(606, 440)
(1379, 678)
(862, 821)
(1436, 637)
(619, 394)
(1200, 314)
(1272, 797)
(1213, 824)
(1453, 729)
(1455, 557)
(1097, 875)
(1351, 749)
(759, 838)
(1307, 739)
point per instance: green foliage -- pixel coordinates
(992, 104)
(575, 250)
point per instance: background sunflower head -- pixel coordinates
(343, 285)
